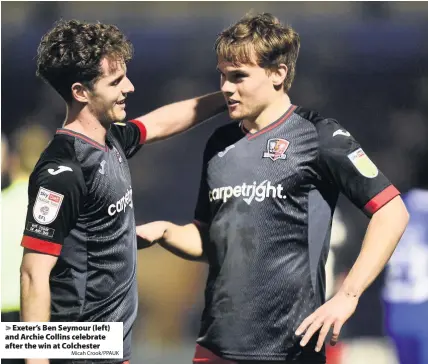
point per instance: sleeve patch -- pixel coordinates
(40, 230)
(46, 206)
(363, 164)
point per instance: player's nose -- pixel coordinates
(129, 87)
(228, 87)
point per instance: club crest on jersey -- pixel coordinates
(276, 148)
(47, 206)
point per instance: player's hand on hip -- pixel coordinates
(152, 231)
(333, 314)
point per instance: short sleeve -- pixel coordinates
(131, 135)
(55, 194)
(344, 164)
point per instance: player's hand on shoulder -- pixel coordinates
(152, 232)
(332, 314)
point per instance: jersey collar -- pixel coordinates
(82, 137)
(269, 127)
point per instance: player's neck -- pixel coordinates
(84, 122)
(269, 115)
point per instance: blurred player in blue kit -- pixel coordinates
(406, 281)
(270, 182)
(79, 240)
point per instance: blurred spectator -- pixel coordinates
(169, 288)
(27, 143)
(4, 162)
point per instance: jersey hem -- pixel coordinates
(272, 358)
(258, 357)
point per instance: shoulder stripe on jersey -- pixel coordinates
(274, 125)
(83, 137)
(381, 199)
(42, 246)
(143, 130)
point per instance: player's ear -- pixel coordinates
(80, 92)
(278, 75)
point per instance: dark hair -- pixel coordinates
(72, 52)
(264, 37)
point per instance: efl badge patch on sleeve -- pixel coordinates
(363, 163)
(276, 149)
(47, 205)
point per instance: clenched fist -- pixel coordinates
(149, 234)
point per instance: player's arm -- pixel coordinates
(345, 166)
(54, 203)
(179, 116)
(35, 293)
(189, 241)
(384, 231)
(184, 241)
(351, 170)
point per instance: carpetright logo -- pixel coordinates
(249, 192)
(121, 204)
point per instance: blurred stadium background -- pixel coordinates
(363, 63)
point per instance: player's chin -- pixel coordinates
(120, 115)
(115, 118)
(235, 115)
